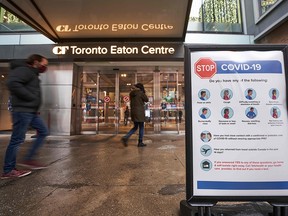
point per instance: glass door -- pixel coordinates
(169, 101)
(126, 80)
(89, 103)
(181, 103)
(107, 103)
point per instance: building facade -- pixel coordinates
(86, 88)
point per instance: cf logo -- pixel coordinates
(60, 50)
(63, 28)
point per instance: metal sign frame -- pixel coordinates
(191, 198)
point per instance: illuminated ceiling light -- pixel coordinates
(123, 75)
(128, 84)
(2, 76)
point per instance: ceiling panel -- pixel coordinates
(97, 20)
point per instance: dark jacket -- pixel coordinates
(24, 86)
(138, 99)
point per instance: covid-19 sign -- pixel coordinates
(238, 128)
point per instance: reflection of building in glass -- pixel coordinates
(10, 22)
(215, 16)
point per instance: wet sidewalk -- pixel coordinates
(97, 175)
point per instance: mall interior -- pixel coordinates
(97, 54)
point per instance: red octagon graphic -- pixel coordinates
(205, 68)
(106, 99)
(126, 98)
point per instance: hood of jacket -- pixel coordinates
(135, 91)
(17, 63)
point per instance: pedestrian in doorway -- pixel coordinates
(180, 116)
(138, 99)
(126, 115)
(24, 86)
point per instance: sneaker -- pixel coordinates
(124, 141)
(32, 164)
(141, 144)
(15, 174)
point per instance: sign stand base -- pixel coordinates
(279, 209)
(204, 209)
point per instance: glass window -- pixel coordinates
(265, 5)
(215, 16)
(11, 23)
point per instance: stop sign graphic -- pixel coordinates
(205, 68)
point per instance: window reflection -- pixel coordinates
(11, 23)
(215, 16)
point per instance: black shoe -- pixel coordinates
(124, 141)
(141, 144)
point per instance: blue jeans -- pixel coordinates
(134, 129)
(21, 122)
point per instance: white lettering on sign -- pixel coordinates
(89, 51)
(60, 50)
(123, 50)
(157, 50)
(205, 68)
(243, 67)
(114, 50)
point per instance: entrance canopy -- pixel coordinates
(97, 20)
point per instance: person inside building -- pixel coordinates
(126, 115)
(24, 86)
(138, 98)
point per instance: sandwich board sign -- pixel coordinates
(236, 123)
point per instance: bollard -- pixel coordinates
(284, 211)
(279, 209)
(207, 211)
(276, 211)
(200, 211)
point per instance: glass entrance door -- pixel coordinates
(126, 80)
(99, 103)
(169, 101)
(107, 103)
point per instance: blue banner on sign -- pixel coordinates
(227, 67)
(220, 185)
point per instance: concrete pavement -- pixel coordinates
(97, 175)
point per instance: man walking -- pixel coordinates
(138, 99)
(24, 86)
